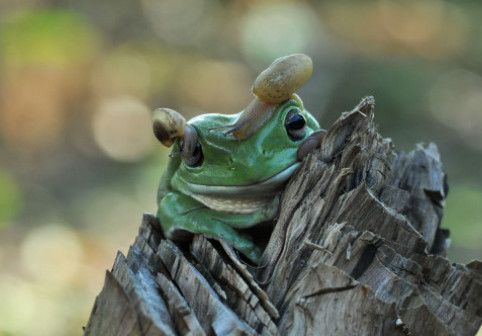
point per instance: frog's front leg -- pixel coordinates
(179, 213)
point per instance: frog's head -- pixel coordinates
(252, 153)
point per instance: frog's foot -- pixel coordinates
(246, 247)
(254, 255)
(214, 229)
(180, 214)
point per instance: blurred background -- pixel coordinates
(78, 80)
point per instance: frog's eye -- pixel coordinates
(194, 159)
(295, 125)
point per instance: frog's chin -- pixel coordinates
(265, 188)
(242, 199)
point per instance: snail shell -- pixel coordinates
(282, 78)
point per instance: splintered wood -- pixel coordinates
(357, 249)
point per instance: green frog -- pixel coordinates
(226, 172)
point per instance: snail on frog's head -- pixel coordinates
(272, 87)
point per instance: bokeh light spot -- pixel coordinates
(122, 72)
(412, 21)
(215, 86)
(18, 305)
(181, 22)
(52, 254)
(273, 30)
(122, 128)
(30, 309)
(423, 28)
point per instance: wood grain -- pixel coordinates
(357, 249)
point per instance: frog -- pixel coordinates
(226, 172)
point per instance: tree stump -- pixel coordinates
(357, 249)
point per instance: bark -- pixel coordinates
(357, 249)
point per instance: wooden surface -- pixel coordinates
(357, 249)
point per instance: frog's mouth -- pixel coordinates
(242, 199)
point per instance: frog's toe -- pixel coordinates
(254, 254)
(246, 247)
(178, 234)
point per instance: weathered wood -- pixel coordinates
(357, 249)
